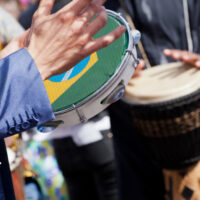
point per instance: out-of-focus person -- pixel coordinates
(9, 28)
(12, 6)
(163, 24)
(88, 164)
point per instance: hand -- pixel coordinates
(16, 44)
(138, 71)
(185, 56)
(59, 41)
(139, 68)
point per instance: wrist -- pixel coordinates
(44, 70)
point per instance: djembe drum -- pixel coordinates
(165, 109)
(96, 82)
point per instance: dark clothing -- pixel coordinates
(162, 25)
(89, 170)
(25, 19)
(6, 187)
(139, 177)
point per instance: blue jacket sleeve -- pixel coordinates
(23, 98)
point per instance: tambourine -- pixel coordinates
(97, 81)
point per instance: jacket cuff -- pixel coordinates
(24, 102)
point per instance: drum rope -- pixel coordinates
(132, 25)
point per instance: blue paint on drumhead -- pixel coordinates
(71, 73)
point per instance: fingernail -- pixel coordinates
(123, 28)
(176, 55)
(197, 63)
(101, 8)
(166, 51)
(185, 57)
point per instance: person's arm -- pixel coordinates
(55, 44)
(59, 41)
(23, 99)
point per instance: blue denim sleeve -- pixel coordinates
(24, 102)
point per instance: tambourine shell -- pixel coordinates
(82, 90)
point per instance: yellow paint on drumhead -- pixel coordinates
(56, 89)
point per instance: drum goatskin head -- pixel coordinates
(163, 82)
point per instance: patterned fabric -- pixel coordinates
(40, 156)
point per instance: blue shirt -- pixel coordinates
(23, 104)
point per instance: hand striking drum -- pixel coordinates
(97, 81)
(165, 104)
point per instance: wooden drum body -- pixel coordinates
(165, 103)
(165, 109)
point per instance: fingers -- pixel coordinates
(104, 41)
(76, 6)
(92, 9)
(98, 23)
(140, 65)
(174, 53)
(45, 7)
(139, 69)
(87, 29)
(185, 56)
(137, 72)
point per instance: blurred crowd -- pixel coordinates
(16, 6)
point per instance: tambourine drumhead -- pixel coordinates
(89, 75)
(92, 76)
(163, 82)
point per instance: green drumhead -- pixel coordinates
(90, 74)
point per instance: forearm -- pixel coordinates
(23, 99)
